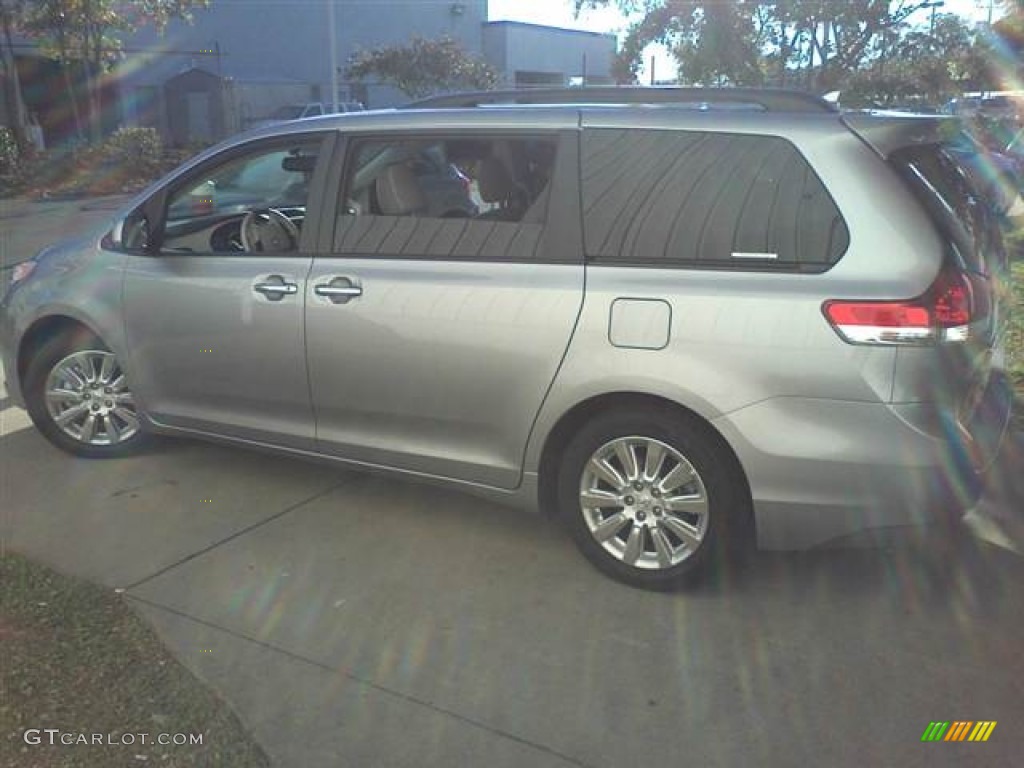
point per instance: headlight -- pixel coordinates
(22, 270)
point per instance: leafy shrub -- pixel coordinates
(139, 149)
(9, 157)
(1015, 241)
(1015, 339)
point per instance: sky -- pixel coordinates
(559, 13)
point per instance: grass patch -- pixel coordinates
(1015, 337)
(75, 657)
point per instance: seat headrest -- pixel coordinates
(398, 192)
(494, 181)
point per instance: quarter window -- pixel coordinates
(685, 198)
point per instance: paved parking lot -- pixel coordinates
(357, 620)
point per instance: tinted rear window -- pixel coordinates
(700, 199)
(954, 203)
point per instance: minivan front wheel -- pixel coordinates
(649, 496)
(78, 397)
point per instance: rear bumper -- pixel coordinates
(824, 469)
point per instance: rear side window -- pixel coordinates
(446, 197)
(954, 203)
(715, 200)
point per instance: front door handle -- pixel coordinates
(276, 288)
(340, 290)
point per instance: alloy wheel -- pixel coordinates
(644, 503)
(88, 399)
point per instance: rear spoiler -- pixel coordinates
(888, 132)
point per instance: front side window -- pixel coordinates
(719, 200)
(458, 197)
(255, 202)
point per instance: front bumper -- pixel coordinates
(9, 355)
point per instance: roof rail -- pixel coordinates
(768, 99)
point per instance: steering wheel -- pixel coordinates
(267, 229)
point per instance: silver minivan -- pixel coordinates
(684, 328)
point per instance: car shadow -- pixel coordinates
(944, 572)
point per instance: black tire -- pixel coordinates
(40, 367)
(728, 529)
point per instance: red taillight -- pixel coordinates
(943, 313)
(952, 299)
(882, 314)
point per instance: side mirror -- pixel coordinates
(136, 232)
(130, 233)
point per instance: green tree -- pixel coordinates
(716, 44)
(927, 65)
(848, 36)
(713, 42)
(815, 43)
(11, 14)
(424, 67)
(88, 33)
(54, 24)
(1010, 31)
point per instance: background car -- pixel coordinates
(998, 175)
(309, 109)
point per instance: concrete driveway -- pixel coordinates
(28, 225)
(357, 620)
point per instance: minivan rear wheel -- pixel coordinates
(78, 396)
(650, 497)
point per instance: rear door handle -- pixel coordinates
(340, 290)
(276, 288)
